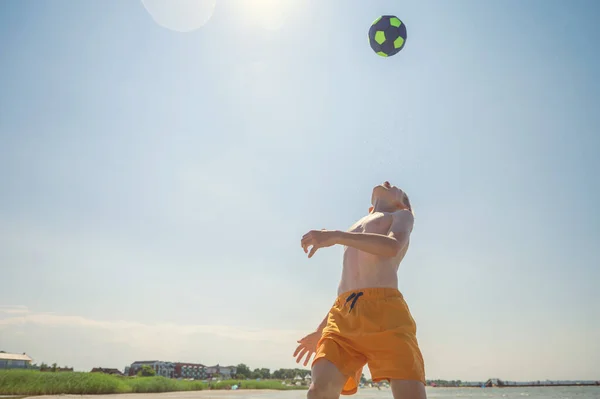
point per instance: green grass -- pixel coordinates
(31, 382)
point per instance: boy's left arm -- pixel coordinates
(379, 244)
(385, 245)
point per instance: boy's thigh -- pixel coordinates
(335, 358)
(408, 389)
(396, 356)
(392, 349)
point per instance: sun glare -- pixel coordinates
(180, 15)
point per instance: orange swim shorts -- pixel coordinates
(371, 326)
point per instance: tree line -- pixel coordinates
(51, 368)
(243, 372)
(445, 383)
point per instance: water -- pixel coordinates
(472, 393)
(522, 393)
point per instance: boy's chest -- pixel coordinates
(378, 223)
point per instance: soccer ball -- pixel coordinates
(387, 35)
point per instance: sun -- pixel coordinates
(268, 14)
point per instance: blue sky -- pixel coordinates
(158, 167)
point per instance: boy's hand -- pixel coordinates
(318, 239)
(308, 346)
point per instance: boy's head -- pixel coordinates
(389, 197)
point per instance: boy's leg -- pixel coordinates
(408, 389)
(337, 365)
(327, 381)
(393, 351)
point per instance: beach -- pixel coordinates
(369, 393)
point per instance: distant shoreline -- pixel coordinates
(21, 383)
(519, 386)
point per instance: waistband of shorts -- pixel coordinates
(371, 293)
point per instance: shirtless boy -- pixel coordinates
(369, 323)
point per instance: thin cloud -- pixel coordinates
(122, 329)
(19, 309)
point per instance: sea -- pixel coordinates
(472, 393)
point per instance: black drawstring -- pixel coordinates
(353, 297)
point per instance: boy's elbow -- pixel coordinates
(394, 249)
(398, 242)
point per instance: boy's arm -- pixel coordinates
(376, 244)
(323, 323)
(380, 244)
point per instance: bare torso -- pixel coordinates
(364, 270)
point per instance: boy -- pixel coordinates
(369, 323)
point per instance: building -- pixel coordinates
(165, 369)
(195, 371)
(494, 382)
(106, 371)
(225, 372)
(14, 361)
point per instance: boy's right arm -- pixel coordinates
(323, 323)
